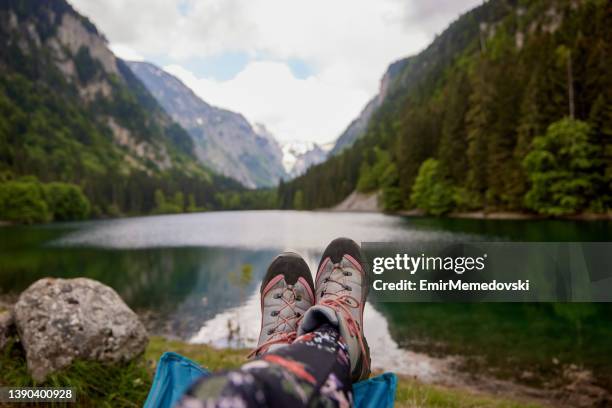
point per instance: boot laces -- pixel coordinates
(343, 303)
(276, 334)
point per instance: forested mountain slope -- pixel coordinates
(510, 108)
(359, 125)
(224, 140)
(73, 112)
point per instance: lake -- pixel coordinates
(180, 272)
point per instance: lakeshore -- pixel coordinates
(174, 267)
(131, 382)
(369, 203)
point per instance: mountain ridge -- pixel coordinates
(359, 125)
(470, 114)
(74, 112)
(222, 138)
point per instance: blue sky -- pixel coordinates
(226, 65)
(304, 69)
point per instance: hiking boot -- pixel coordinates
(341, 291)
(287, 292)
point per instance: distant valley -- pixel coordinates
(225, 140)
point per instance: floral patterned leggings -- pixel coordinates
(313, 371)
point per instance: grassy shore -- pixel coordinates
(128, 385)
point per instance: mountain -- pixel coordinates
(74, 112)
(224, 140)
(300, 156)
(358, 126)
(508, 109)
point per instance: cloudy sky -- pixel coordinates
(303, 68)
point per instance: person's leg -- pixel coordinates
(318, 368)
(312, 371)
(341, 292)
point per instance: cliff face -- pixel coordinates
(73, 111)
(86, 65)
(359, 125)
(223, 139)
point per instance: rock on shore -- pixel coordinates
(62, 320)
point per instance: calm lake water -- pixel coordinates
(180, 270)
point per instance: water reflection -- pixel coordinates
(179, 268)
(385, 352)
(257, 230)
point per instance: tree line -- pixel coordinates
(509, 109)
(50, 132)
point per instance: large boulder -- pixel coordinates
(61, 320)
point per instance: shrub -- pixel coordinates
(298, 200)
(28, 201)
(430, 191)
(23, 202)
(168, 206)
(391, 194)
(561, 169)
(66, 201)
(372, 177)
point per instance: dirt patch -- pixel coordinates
(576, 387)
(359, 202)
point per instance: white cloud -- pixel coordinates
(125, 52)
(293, 109)
(348, 43)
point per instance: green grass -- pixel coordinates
(127, 385)
(212, 358)
(414, 394)
(95, 384)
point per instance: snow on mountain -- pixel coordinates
(298, 156)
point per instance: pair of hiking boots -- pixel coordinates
(292, 304)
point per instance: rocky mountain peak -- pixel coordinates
(298, 156)
(224, 140)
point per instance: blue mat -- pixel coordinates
(175, 374)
